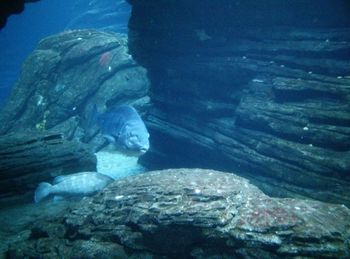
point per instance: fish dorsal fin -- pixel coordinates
(110, 138)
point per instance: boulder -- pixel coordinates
(189, 213)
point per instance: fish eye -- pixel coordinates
(133, 138)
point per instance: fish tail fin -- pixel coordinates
(42, 191)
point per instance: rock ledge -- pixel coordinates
(191, 213)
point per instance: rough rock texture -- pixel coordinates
(60, 82)
(66, 75)
(252, 88)
(16, 221)
(32, 157)
(187, 213)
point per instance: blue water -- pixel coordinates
(22, 32)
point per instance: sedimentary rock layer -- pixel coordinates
(31, 157)
(190, 213)
(251, 90)
(66, 75)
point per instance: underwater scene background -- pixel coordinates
(175, 129)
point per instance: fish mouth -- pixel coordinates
(143, 150)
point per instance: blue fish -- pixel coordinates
(79, 184)
(123, 127)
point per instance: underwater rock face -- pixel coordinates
(251, 87)
(28, 158)
(66, 75)
(182, 213)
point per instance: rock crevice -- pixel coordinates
(269, 96)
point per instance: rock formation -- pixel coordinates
(66, 75)
(32, 157)
(60, 82)
(236, 85)
(261, 89)
(248, 95)
(189, 213)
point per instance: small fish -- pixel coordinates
(123, 127)
(79, 184)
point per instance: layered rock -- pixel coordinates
(32, 157)
(233, 86)
(49, 111)
(66, 75)
(189, 213)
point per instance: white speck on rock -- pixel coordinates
(40, 100)
(256, 80)
(118, 197)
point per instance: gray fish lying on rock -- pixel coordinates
(123, 127)
(79, 184)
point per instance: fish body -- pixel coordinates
(123, 127)
(79, 184)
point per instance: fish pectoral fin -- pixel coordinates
(58, 198)
(42, 191)
(59, 179)
(110, 138)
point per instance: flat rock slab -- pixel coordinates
(181, 213)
